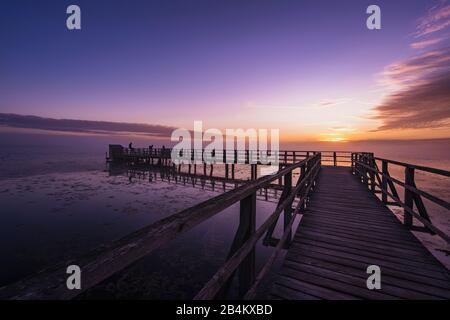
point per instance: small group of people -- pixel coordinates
(150, 148)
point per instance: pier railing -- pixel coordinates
(242, 255)
(108, 260)
(367, 167)
(147, 155)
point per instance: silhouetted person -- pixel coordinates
(150, 149)
(130, 146)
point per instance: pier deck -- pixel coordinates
(346, 228)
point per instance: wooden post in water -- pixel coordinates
(248, 221)
(409, 196)
(247, 227)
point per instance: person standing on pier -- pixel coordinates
(130, 147)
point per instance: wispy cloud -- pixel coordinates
(324, 103)
(437, 19)
(426, 43)
(421, 98)
(343, 129)
(83, 126)
(332, 102)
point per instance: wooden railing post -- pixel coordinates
(288, 210)
(409, 196)
(246, 271)
(384, 182)
(302, 176)
(280, 179)
(352, 161)
(366, 171)
(253, 172)
(246, 228)
(372, 173)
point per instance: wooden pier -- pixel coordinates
(341, 202)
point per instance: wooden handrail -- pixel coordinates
(251, 293)
(417, 167)
(220, 278)
(365, 166)
(425, 194)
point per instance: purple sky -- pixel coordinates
(310, 68)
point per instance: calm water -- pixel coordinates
(59, 201)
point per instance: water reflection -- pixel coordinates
(60, 216)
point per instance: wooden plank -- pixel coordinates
(313, 289)
(390, 289)
(426, 264)
(337, 263)
(415, 255)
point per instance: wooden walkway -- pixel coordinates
(344, 230)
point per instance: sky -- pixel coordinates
(309, 68)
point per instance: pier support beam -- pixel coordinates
(247, 227)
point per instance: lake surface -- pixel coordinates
(59, 201)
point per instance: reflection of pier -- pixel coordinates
(218, 184)
(341, 202)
